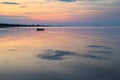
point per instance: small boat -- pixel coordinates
(40, 29)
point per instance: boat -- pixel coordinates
(40, 29)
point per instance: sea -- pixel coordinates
(60, 53)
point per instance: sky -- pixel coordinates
(61, 12)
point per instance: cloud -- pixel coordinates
(22, 6)
(12, 19)
(36, 2)
(71, 0)
(4, 16)
(20, 20)
(11, 3)
(68, 0)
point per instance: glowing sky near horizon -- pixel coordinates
(70, 12)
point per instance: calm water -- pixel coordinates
(80, 53)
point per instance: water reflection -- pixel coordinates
(62, 53)
(55, 54)
(50, 54)
(95, 57)
(99, 46)
(102, 52)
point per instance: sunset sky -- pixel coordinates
(57, 12)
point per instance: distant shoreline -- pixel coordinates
(2, 25)
(6, 25)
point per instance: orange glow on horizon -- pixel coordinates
(48, 11)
